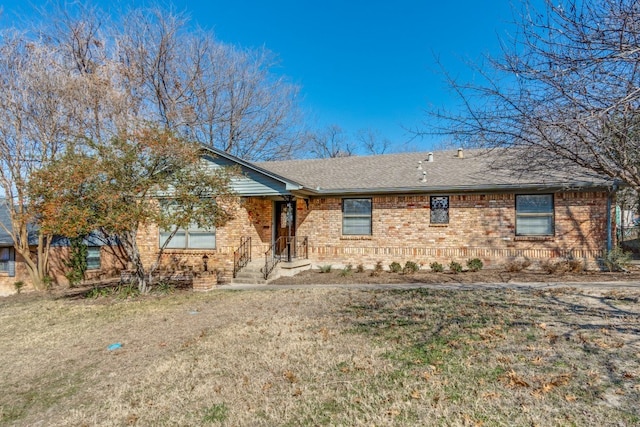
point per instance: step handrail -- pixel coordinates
(242, 256)
(285, 248)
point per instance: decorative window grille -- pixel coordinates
(439, 209)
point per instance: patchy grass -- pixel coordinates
(512, 273)
(323, 357)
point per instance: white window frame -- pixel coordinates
(347, 217)
(523, 216)
(94, 252)
(186, 236)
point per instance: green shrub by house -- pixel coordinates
(455, 267)
(378, 269)
(410, 267)
(475, 264)
(395, 267)
(325, 269)
(436, 267)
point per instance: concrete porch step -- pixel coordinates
(252, 273)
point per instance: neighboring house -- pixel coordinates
(420, 207)
(7, 253)
(102, 258)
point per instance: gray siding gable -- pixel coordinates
(253, 180)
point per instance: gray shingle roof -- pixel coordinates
(476, 171)
(5, 238)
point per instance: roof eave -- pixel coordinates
(567, 186)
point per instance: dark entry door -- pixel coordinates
(285, 225)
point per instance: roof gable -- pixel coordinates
(254, 180)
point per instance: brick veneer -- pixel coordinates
(251, 218)
(480, 225)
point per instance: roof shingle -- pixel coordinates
(396, 172)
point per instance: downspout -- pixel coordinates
(614, 188)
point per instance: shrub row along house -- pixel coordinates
(419, 207)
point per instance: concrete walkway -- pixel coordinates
(585, 286)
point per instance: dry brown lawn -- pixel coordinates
(489, 275)
(307, 357)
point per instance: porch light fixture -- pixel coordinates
(205, 259)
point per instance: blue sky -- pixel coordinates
(360, 63)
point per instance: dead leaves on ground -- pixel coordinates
(539, 385)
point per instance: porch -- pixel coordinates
(287, 256)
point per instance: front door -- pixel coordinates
(285, 228)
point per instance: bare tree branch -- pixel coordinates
(329, 143)
(567, 88)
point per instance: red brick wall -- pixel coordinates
(7, 283)
(111, 263)
(480, 225)
(251, 218)
(110, 266)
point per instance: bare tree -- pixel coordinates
(567, 88)
(329, 143)
(372, 141)
(219, 95)
(34, 127)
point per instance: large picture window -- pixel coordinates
(192, 238)
(356, 217)
(534, 215)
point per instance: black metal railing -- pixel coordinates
(242, 256)
(285, 249)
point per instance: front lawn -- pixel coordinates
(323, 357)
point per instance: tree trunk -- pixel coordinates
(128, 240)
(38, 267)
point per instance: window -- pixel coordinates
(439, 209)
(192, 238)
(93, 258)
(7, 263)
(534, 215)
(4, 259)
(356, 217)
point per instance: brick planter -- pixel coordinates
(205, 283)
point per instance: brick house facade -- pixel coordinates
(483, 219)
(420, 207)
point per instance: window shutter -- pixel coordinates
(12, 263)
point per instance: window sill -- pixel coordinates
(356, 238)
(187, 250)
(439, 225)
(534, 238)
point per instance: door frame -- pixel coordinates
(279, 209)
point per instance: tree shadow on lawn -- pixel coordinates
(568, 331)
